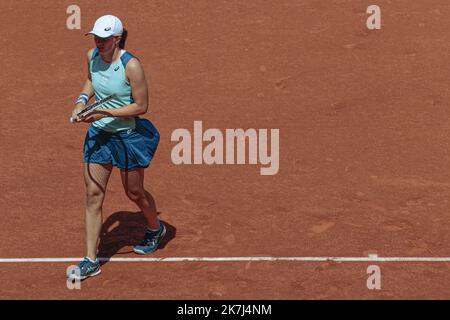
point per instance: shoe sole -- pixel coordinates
(75, 277)
(148, 252)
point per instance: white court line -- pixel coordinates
(371, 258)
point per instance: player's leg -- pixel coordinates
(133, 182)
(96, 178)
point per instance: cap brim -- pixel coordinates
(99, 34)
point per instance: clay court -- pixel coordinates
(364, 152)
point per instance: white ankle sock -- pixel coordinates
(151, 230)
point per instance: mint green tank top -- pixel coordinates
(107, 79)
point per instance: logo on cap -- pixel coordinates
(108, 28)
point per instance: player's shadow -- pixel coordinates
(122, 230)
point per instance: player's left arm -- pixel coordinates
(136, 77)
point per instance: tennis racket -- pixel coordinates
(94, 106)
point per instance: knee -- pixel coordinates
(94, 197)
(135, 195)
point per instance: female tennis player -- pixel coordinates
(117, 137)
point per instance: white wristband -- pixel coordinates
(83, 98)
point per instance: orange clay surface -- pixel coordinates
(364, 153)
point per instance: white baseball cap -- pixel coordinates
(107, 26)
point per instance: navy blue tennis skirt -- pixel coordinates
(126, 149)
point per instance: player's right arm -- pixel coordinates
(87, 88)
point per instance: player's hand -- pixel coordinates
(78, 107)
(92, 116)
